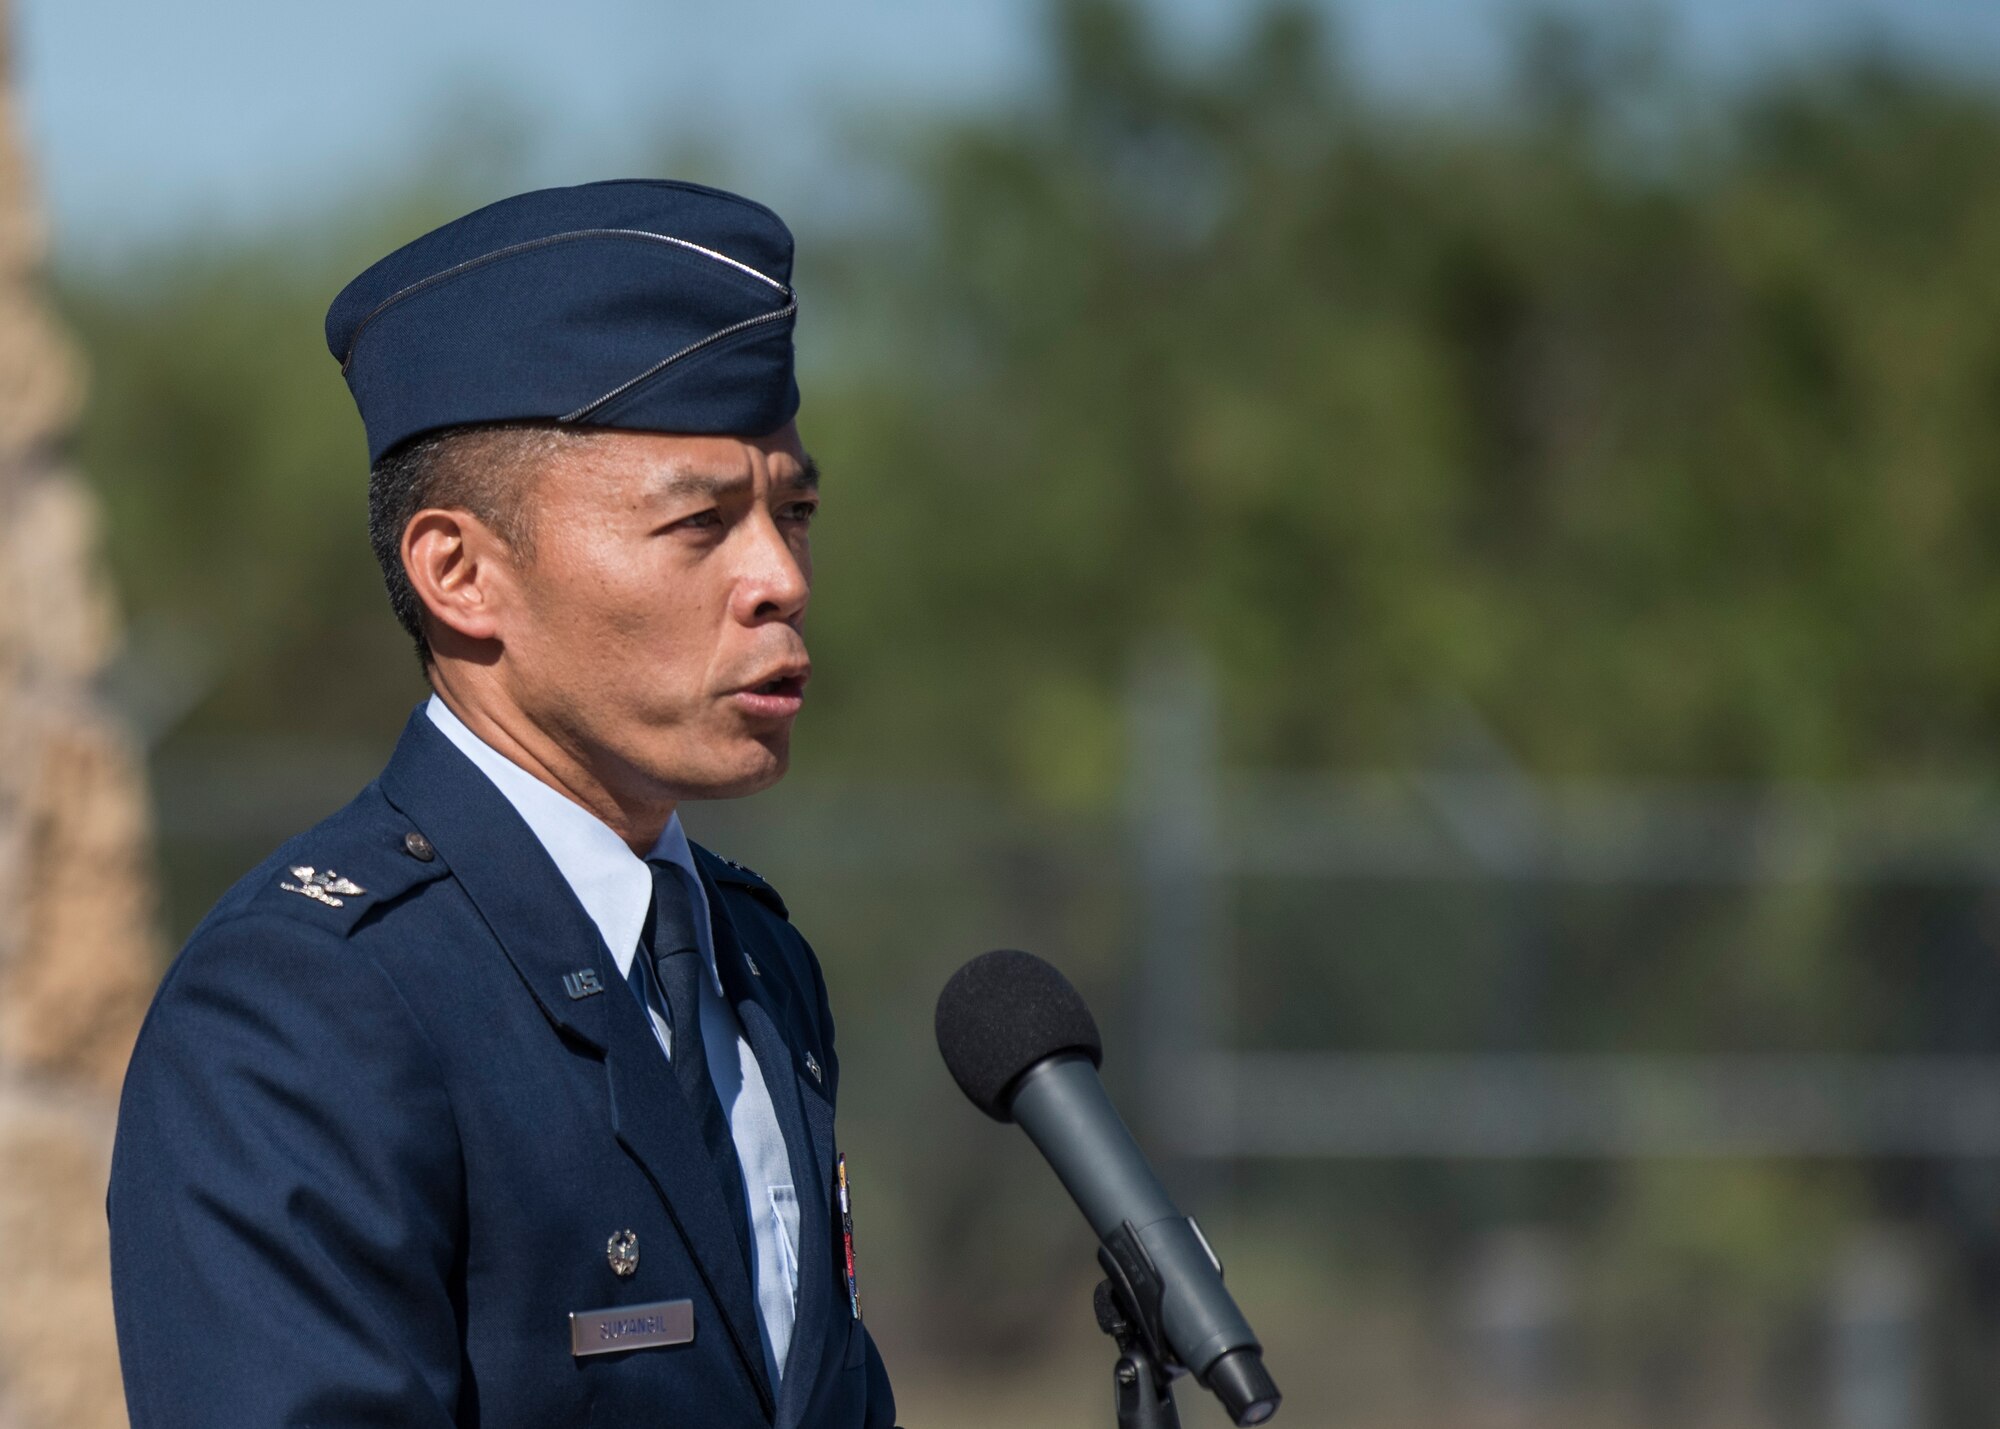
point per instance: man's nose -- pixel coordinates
(775, 585)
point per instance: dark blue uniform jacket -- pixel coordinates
(369, 1156)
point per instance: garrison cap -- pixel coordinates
(642, 304)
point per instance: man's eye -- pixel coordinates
(799, 511)
(702, 519)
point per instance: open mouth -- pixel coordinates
(778, 698)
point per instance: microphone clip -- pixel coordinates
(1128, 1303)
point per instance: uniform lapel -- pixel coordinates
(505, 871)
(547, 937)
(763, 1009)
(652, 1122)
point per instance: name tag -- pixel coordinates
(631, 1327)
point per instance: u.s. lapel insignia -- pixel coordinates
(751, 963)
(321, 887)
(621, 1252)
(812, 1065)
(582, 983)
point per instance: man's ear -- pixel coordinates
(458, 568)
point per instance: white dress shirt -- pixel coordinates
(615, 887)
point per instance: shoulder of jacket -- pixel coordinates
(728, 873)
(359, 860)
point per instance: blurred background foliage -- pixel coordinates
(1658, 429)
(1664, 435)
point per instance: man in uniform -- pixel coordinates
(492, 1100)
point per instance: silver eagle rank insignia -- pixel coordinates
(321, 887)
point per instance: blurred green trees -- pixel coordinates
(1670, 453)
(1669, 443)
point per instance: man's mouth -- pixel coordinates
(777, 698)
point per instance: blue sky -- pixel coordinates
(152, 119)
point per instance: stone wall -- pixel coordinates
(78, 948)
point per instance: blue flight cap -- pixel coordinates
(642, 304)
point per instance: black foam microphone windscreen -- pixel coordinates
(1002, 1013)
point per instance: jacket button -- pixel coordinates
(418, 847)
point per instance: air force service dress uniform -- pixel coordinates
(401, 1144)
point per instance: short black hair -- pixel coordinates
(485, 468)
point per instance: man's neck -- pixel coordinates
(516, 738)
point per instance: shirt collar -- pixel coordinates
(614, 885)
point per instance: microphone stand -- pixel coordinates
(1141, 1387)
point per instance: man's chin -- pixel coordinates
(752, 774)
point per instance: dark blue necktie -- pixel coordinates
(678, 968)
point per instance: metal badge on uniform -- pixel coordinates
(582, 983)
(631, 1327)
(321, 887)
(812, 1065)
(845, 1209)
(622, 1253)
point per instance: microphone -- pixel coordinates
(1022, 1045)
